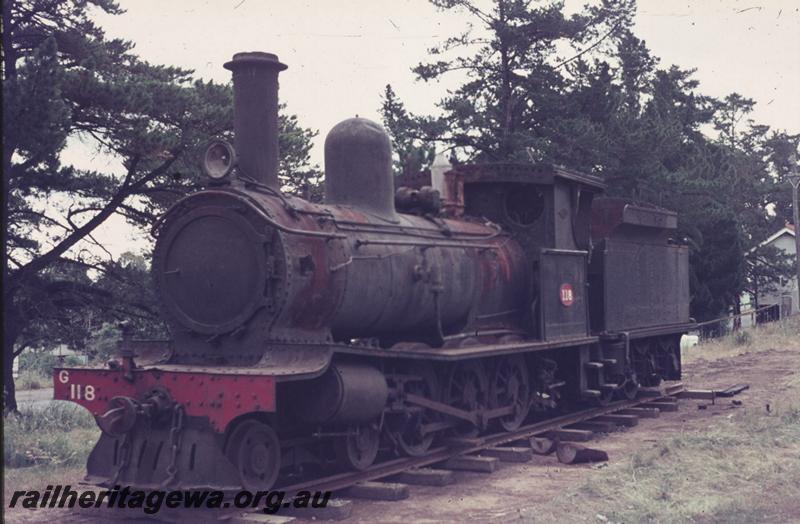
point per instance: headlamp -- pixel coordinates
(219, 160)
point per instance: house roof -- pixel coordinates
(787, 229)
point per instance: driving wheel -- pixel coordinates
(467, 389)
(408, 433)
(511, 387)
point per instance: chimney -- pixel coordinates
(255, 114)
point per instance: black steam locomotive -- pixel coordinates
(382, 320)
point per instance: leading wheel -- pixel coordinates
(254, 449)
(358, 448)
(511, 388)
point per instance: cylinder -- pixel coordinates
(255, 114)
(345, 393)
(358, 167)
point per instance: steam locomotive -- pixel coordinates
(470, 299)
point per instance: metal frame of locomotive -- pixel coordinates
(310, 333)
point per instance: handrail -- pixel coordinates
(257, 208)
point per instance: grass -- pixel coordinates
(745, 467)
(774, 335)
(59, 434)
(32, 379)
(45, 446)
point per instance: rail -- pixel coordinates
(395, 466)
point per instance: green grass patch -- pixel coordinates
(782, 334)
(32, 379)
(745, 468)
(60, 434)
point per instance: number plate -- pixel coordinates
(567, 296)
(220, 397)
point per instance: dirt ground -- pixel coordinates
(544, 490)
(515, 491)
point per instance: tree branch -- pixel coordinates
(42, 261)
(597, 43)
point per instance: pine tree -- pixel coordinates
(412, 137)
(607, 108)
(63, 81)
(515, 72)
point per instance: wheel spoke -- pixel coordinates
(511, 388)
(468, 389)
(407, 431)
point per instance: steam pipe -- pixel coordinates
(255, 114)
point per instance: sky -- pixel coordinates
(341, 54)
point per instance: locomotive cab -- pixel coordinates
(546, 209)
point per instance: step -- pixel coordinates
(594, 365)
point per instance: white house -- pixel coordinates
(785, 295)
(62, 351)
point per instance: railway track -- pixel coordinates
(380, 481)
(363, 485)
(466, 447)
